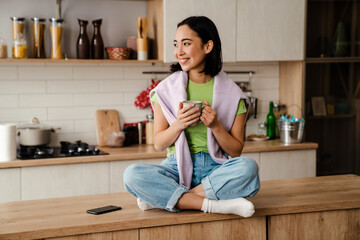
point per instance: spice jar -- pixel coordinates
(149, 133)
(19, 48)
(38, 28)
(56, 30)
(3, 48)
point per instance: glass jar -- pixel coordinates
(38, 28)
(261, 129)
(3, 48)
(149, 129)
(19, 48)
(56, 30)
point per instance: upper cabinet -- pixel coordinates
(270, 30)
(222, 13)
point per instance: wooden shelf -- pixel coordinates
(48, 60)
(335, 116)
(333, 60)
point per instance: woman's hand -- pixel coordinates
(185, 117)
(209, 116)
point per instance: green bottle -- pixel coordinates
(271, 123)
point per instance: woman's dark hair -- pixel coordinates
(206, 30)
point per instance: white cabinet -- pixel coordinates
(222, 13)
(270, 30)
(64, 180)
(287, 164)
(10, 185)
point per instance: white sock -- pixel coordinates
(144, 205)
(239, 206)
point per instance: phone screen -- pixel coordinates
(104, 209)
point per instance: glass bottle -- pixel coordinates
(38, 29)
(19, 48)
(271, 123)
(3, 48)
(83, 44)
(97, 44)
(56, 30)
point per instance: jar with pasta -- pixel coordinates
(3, 48)
(56, 31)
(19, 46)
(38, 46)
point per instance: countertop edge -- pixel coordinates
(143, 152)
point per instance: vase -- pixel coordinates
(97, 44)
(82, 43)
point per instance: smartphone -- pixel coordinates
(104, 209)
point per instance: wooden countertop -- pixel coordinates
(148, 152)
(66, 216)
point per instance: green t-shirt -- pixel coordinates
(197, 135)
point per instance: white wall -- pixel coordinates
(67, 95)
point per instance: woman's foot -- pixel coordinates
(144, 205)
(239, 206)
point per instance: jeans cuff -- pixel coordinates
(209, 191)
(175, 198)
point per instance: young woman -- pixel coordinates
(203, 169)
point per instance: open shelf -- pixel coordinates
(48, 60)
(333, 60)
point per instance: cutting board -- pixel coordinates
(107, 122)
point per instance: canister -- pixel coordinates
(19, 43)
(56, 31)
(38, 28)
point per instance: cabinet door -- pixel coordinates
(10, 184)
(64, 180)
(270, 30)
(222, 13)
(287, 164)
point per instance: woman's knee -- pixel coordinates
(247, 166)
(133, 173)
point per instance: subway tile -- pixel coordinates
(266, 94)
(9, 101)
(71, 113)
(129, 98)
(21, 114)
(44, 72)
(72, 86)
(98, 73)
(269, 70)
(137, 72)
(98, 99)
(66, 126)
(84, 126)
(265, 83)
(9, 87)
(46, 100)
(123, 85)
(8, 73)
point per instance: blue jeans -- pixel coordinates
(159, 185)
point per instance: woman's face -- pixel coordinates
(189, 49)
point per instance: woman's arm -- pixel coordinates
(165, 135)
(232, 143)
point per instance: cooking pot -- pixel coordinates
(35, 134)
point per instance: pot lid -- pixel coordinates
(34, 125)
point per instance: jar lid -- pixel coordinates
(150, 117)
(56, 20)
(36, 19)
(18, 19)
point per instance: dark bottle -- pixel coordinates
(271, 123)
(83, 44)
(97, 44)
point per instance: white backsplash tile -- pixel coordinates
(21, 87)
(68, 95)
(44, 72)
(8, 73)
(96, 99)
(72, 86)
(9, 101)
(98, 73)
(46, 100)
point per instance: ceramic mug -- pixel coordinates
(197, 104)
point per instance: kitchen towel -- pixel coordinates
(7, 142)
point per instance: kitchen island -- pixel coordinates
(75, 176)
(307, 208)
